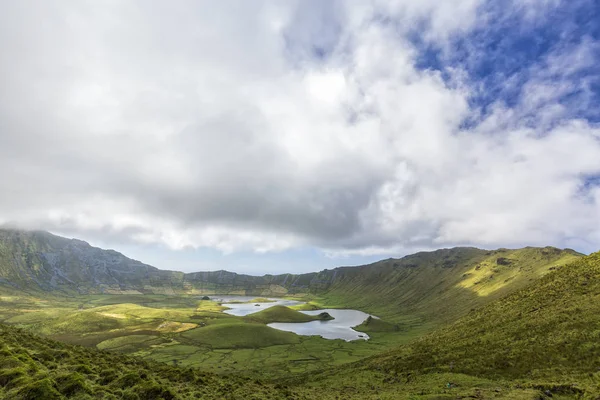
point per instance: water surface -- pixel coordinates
(248, 308)
(338, 328)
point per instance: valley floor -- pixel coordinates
(188, 332)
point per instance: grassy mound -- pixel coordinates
(239, 335)
(376, 325)
(280, 314)
(130, 343)
(210, 306)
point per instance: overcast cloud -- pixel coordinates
(350, 127)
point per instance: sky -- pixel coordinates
(292, 136)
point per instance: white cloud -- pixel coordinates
(216, 125)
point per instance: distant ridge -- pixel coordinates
(447, 280)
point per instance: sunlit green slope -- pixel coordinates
(441, 285)
(550, 328)
(33, 368)
(540, 341)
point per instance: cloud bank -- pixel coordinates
(353, 127)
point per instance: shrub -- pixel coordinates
(153, 391)
(107, 376)
(9, 375)
(11, 362)
(84, 369)
(69, 384)
(45, 355)
(42, 389)
(128, 380)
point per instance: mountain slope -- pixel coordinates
(547, 328)
(440, 285)
(40, 260)
(446, 283)
(34, 368)
(539, 342)
(34, 260)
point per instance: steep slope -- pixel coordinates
(538, 342)
(34, 260)
(549, 328)
(446, 283)
(34, 368)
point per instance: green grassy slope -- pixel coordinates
(239, 335)
(550, 328)
(39, 261)
(443, 285)
(540, 341)
(33, 368)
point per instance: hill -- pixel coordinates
(34, 261)
(284, 314)
(547, 329)
(442, 284)
(40, 261)
(539, 342)
(34, 368)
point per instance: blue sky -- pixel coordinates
(267, 137)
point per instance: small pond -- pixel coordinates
(248, 308)
(338, 328)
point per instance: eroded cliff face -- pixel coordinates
(34, 260)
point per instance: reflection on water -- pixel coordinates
(338, 328)
(248, 308)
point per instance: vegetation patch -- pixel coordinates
(239, 335)
(376, 325)
(305, 307)
(283, 314)
(261, 300)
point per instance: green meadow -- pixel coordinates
(186, 331)
(519, 324)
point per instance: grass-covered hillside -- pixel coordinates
(442, 285)
(34, 368)
(549, 329)
(542, 341)
(33, 261)
(37, 261)
(185, 331)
